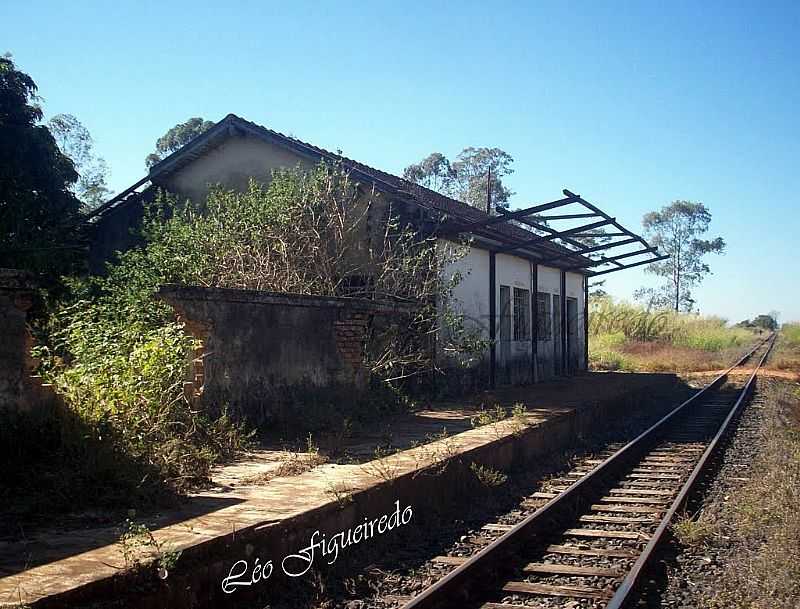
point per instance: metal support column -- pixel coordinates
(585, 322)
(492, 319)
(564, 341)
(534, 322)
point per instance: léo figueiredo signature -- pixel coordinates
(296, 565)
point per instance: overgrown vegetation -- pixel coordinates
(118, 358)
(627, 337)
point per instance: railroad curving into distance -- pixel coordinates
(594, 531)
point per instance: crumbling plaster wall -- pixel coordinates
(261, 346)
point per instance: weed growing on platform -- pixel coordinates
(500, 421)
(384, 465)
(341, 492)
(435, 453)
(139, 546)
(488, 476)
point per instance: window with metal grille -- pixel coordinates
(505, 313)
(522, 314)
(544, 317)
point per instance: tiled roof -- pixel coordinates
(409, 191)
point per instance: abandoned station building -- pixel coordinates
(525, 276)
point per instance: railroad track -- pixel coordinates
(595, 529)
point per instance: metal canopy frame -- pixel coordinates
(548, 245)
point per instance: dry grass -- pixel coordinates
(763, 524)
(628, 337)
(297, 463)
(695, 531)
(664, 357)
(657, 356)
(786, 355)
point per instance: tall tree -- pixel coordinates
(466, 178)
(767, 322)
(40, 219)
(75, 141)
(676, 230)
(433, 172)
(177, 137)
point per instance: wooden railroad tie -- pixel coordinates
(590, 551)
(575, 570)
(550, 590)
(601, 533)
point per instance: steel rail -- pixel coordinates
(628, 584)
(469, 580)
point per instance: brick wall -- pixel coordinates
(20, 389)
(259, 347)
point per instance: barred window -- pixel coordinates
(544, 317)
(522, 314)
(505, 313)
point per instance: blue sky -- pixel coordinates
(630, 104)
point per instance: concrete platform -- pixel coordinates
(251, 514)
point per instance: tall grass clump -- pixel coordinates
(790, 334)
(605, 352)
(708, 334)
(634, 323)
(786, 355)
(679, 329)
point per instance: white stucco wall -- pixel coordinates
(232, 164)
(471, 298)
(241, 158)
(549, 280)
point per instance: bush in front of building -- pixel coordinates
(118, 358)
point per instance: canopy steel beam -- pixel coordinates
(630, 266)
(568, 216)
(597, 210)
(519, 213)
(588, 250)
(556, 235)
(594, 235)
(549, 230)
(544, 234)
(614, 259)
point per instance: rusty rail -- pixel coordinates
(469, 582)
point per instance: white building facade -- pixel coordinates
(524, 293)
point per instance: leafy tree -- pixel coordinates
(676, 230)
(433, 172)
(177, 137)
(75, 141)
(40, 218)
(768, 322)
(466, 178)
(472, 168)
